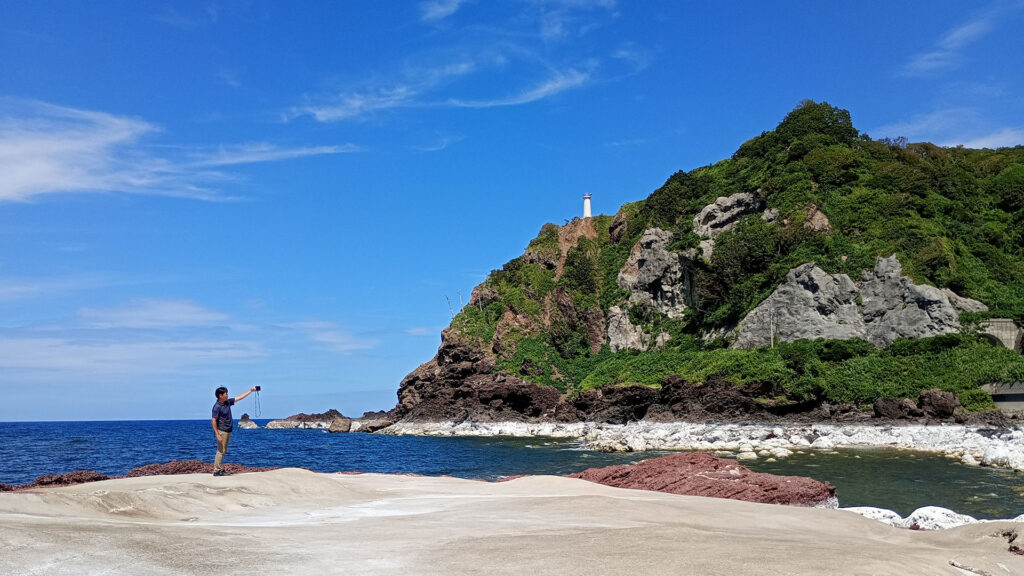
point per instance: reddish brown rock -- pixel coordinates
(66, 479)
(189, 467)
(701, 474)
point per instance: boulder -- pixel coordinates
(881, 514)
(896, 408)
(936, 518)
(657, 278)
(721, 215)
(372, 424)
(340, 425)
(939, 404)
(701, 474)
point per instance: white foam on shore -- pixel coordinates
(1004, 449)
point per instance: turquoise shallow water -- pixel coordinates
(898, 480)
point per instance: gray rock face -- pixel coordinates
(964, 304)
(895, 307)
(885, 306)
(622, 333)
(721, 215)
(809, 304)
(657, 278)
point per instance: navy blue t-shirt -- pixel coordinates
(222, 412)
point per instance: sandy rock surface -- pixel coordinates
(293, 521)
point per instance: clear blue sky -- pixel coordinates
(196, 194)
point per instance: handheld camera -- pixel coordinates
(257, 388)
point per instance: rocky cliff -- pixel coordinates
(725, 292)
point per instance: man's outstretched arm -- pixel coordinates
(247, 392)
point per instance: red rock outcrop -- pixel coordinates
(701, 474)
(189, 467)
(172, 467)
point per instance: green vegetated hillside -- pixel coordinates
(954, 217)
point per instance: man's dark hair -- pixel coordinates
(219, 391)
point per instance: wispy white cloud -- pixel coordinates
(560, 19)
(91, 359)
(150, 313)
(333, 337)
(47, 149)
(405, 93)
(263, 152)
(629, 142)
(442, 143)
(358, 104)
(1005, 137)
(961, 126)
(422, 331)
(948, 52)
(559, 82)
(435, 10)
(12, 289)
(932, 126)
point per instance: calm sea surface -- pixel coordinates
(897, 480)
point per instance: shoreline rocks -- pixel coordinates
(1002, 448)
(924, 518)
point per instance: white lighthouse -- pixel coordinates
(586, 205)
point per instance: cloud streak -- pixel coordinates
(148, 313)
(334, 339)
(963, 126)
(49, 149)
(436, 10)
(948, 52)
(559, 82)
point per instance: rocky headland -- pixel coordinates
(333, 421)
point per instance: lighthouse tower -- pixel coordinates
(586, 205)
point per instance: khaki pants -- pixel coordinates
(222, 449)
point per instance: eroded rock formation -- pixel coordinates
(656, 277)
(721, 215)
(885, 306)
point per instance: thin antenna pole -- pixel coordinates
(450, 311)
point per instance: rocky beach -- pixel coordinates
(997, 447)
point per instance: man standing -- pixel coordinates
(223, 425)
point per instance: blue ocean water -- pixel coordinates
(897, 480)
